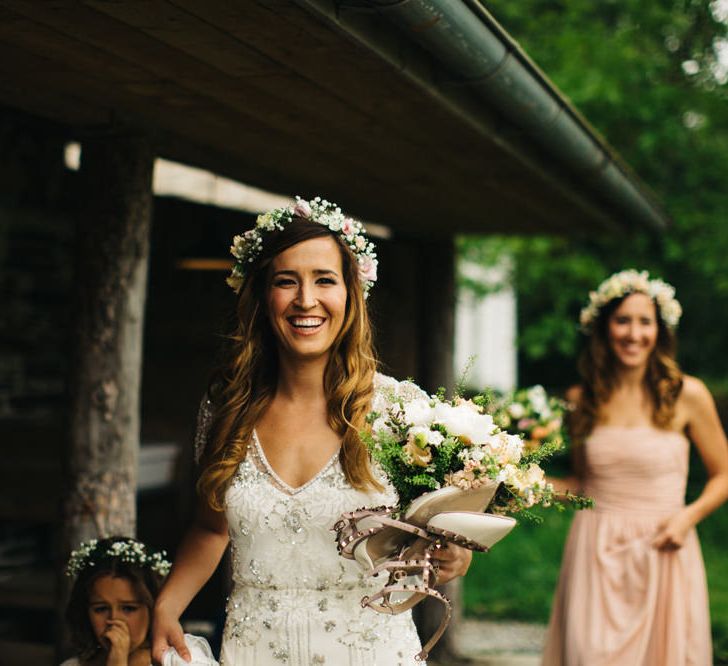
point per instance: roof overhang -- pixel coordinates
(425, 116)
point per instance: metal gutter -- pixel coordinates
(459, 54)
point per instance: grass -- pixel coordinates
(527, 567)
(713, 535)
(517, 579)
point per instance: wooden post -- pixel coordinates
(414, 310)
(436, 293)
(112, 246)
(415, 317)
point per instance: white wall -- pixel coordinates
(485, 327)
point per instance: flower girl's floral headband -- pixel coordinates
(632, 282)
(90, 553)
(247, 247)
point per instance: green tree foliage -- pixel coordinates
(647, 76)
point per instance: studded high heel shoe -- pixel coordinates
(406, 549)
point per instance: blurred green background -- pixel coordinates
(651, 77)
(648, 76)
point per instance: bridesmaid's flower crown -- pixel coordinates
(90, 553)
(629, 282)
(247, 247)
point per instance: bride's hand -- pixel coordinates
(167, 633)
(672, 531)
(453, 561)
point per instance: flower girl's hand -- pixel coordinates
(167, 633)
(453, 560)
(117, 635)
(672, 531)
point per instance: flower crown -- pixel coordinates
(630, 282)
(247, 247)
(90, 553)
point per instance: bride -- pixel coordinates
(281, 459)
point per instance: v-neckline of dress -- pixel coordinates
(279, 483)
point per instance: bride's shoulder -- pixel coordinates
(395, 389)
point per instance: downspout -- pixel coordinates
(461, 56)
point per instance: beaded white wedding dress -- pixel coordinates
(295, 601)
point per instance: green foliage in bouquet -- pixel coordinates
(411, 480)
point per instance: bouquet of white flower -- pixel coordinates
(449, 461)
(426, 444)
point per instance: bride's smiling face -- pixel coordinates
(306, 298)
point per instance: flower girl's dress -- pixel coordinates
(295, 601)
(620, 601)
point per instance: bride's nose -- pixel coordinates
(306, 297)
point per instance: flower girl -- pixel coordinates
(116, 581)
(109, 611)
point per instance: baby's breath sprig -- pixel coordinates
(93, 552)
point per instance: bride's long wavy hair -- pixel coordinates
(599, 373)
(246, 383)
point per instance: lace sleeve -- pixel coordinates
(204, 419)
(387, 389)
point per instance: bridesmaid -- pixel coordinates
(632, 588)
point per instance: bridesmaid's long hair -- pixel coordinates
(598, 369)
(246, 383)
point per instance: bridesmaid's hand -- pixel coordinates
(672, 531)
(454, 561)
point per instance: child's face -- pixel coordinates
(118, 616)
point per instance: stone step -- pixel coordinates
(488, 643)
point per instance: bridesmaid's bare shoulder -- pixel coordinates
(695, 396)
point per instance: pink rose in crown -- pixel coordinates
(347, 227)
(302, 209)
(367, 269)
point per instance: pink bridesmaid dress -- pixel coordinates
(619, 601)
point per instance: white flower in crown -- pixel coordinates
(247, 246)
(629, 282)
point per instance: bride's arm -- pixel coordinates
(197, 558)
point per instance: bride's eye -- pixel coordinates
(283, 282)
